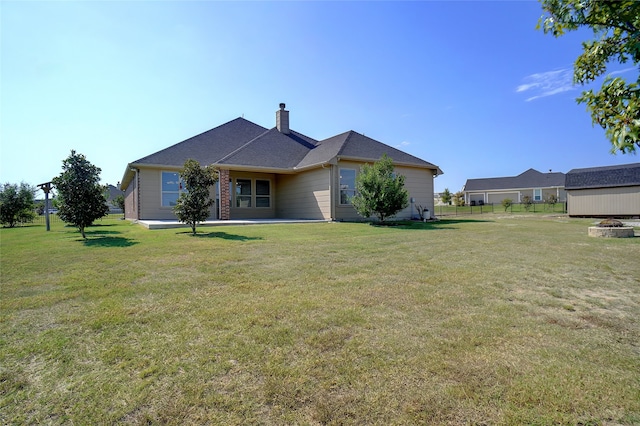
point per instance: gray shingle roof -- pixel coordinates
(604, 177)
(528, 179)
(208, 147)
(243, 143)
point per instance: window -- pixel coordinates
(537, 194)
(171, 188)
(263, 193)
(347, 185)
(243, 192)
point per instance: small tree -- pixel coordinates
(446, 196)
(551, 201)
(194, 203)
(119, 203)
(16, 204)
(379, 190)
(81, 197)
(526, 202)
(506, 203)
(458, 198)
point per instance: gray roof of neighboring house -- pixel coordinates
(604, 177)
(529, 179)
(241, 143)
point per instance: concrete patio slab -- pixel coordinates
(167, 224)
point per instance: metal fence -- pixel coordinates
(54, 218)
(444, 210)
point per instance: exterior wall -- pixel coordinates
(497, 197)
(516, 195)
(131, 200)
(621, 201)
(418, 182)
(305, 195)
(150, 196)
(253, 212)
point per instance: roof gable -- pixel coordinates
(604, 177)
(272, 149)
(353, 145)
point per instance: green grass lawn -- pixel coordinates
(478, 320)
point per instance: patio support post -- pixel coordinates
(225, 208)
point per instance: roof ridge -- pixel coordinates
(242, 147)
(344, 143)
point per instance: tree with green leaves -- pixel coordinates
(17, 204)
(527, 201)
(458, 199)
(194, 203)
(616, 27)
(379, 191)
(446, 196)
(506, 203)
(551, 200)
(119, 203)
(81, 197)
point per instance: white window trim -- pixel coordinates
(162, 192)
(355, 172)
(539, 190)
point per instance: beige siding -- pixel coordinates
(150, 196)
(418, 182)
(496, 198)
(131, 201)
(253, 212)
(623, 201)
(304, 195)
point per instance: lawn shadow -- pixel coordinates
(103, 238)
(108, 241)
(432, 225)
(222, 235)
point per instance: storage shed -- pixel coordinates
(611, 191)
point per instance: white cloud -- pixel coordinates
(403, 144)
(548, 83)
(622, 71)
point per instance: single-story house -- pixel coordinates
(539, 186)
(271, 173)
(604, 191)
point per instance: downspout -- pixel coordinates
(332, 193)
(136, 194)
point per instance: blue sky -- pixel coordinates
(470, 86)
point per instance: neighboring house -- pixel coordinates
(270, 173)
(604, 191)
(538, 186)
(112, 193)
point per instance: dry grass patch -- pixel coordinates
(497, 321)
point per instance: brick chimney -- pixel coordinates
(282, 120)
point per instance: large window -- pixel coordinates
(243, 192)
(537, 195)
(347, 185)
(263, 193)
(171, 188)
(253, 193)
